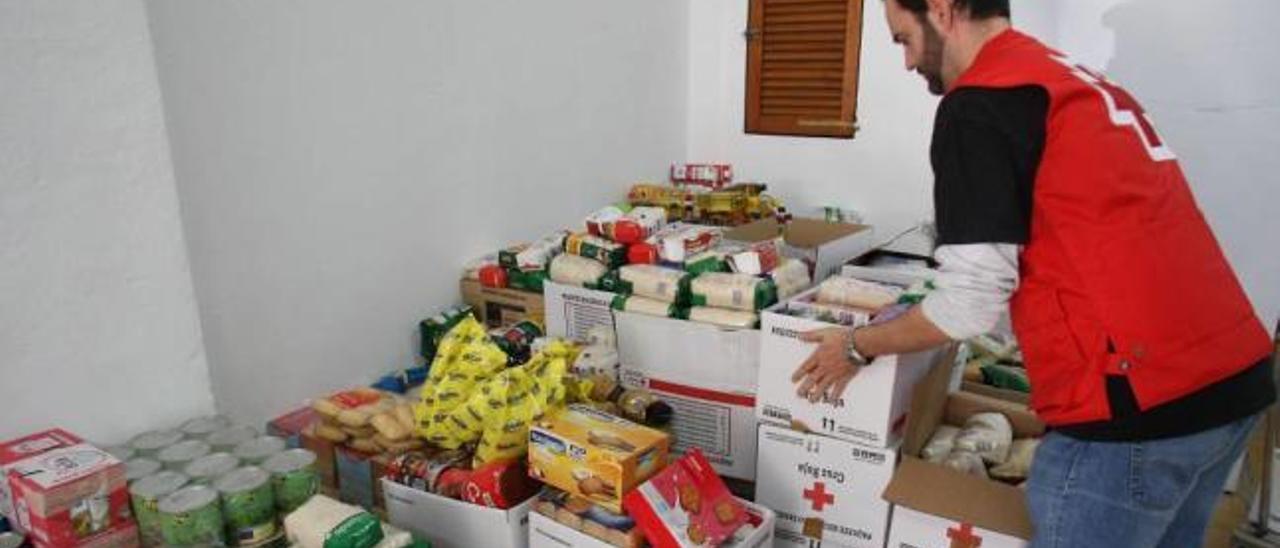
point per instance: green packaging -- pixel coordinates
(257, 450)
(145, 495)
(191, 516)
(248, 505)
(293, 478)
(531, 281)
(207, 469)
(434, 329)
(733, 291)
(612, 254)
(227, 439)
(176, 457)
(139, 468)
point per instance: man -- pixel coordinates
(1057, 200)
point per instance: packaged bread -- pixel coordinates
(655, 282)
(733, 291)
(353, 408)
(857, 293)
(577, 271)
(724, 317)
(988, 435)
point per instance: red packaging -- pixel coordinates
(493, 276)
(20, 449)
(73, 497)
(500, 485)
(713, 176)
(686, 505)
(642, 254)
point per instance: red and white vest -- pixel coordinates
(1122, 275)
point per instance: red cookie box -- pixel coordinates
(73, 496)
(686, 505)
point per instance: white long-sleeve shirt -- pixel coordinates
(973, 288)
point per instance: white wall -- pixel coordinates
(338, 161)
(1207, 74)
(883, 172)
(98, 325)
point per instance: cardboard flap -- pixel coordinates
(802, 233)
(962, 405)
(940, 491)
(928, 404)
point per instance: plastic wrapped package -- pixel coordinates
(857, 293)
(646, 306)
(791, 277)
(1016, 469)
(326, 523)
(467, 357)
(988, 435)
(966, 462)
(940, 444)
(631, 227)
(678, 241)
(527, 280)
(535, 256)
(471, 270)
(611, 254)
(606, 215)
(707, 261)
(577, 271)
(655, 282)
(724, 317)
(757, 259)
(733, 291)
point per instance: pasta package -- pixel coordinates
(646, 306)
(677, 241)
(791, 277)
(724, 317)
(535, 256)
(577, 271)
(611, 254)
(733, 291)
(857, 293)
(655, 282)
(631, 227)
(527, 280)
(466, 358)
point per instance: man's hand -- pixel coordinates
(828, 371)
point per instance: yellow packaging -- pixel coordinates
(593, 455)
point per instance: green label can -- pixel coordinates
(139, 468)
(248, 505)
(176, 457)
(145, 495)
(227, 439)
(200, 428)
(207, 469)
(191, 516)
(150, 443)
(257, 450)
(293, 478)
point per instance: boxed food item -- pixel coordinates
(594, 455)
(873, 409)
(824, 246)
(824, 490)
(497, 307)
(686, 505)
(712, 176)
(934, 504)
(359, 477)
(326, 458)
(699, 354)
(290, 426)
(450, 523)
(552, 526)
(20, 449)
(72, 496)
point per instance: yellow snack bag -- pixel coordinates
(465, 358)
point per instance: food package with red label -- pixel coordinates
(73, 496)
(713, 176)
(686, 505)
(20, 449)
(502, 485)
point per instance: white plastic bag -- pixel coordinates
(989, 435)
(941, 444)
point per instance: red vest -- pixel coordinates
(1121, 275)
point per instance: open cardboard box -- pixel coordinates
(449, 523)
(498, 307)
(935, 505)
(824, 245)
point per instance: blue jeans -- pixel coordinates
(1149, 494)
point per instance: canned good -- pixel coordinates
(200, 428)
(150, 443)
(247, 505)
(176, 457)
(145, 495)
(205, 470)
(122, 452)
(227, 439)
(139, 468)
(442, 473)
(257, 450)
(191, 516)
(517, 341)
(293, 478)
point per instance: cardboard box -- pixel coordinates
(571, 312)
(824, 490)
(20, 449)
(545, 532)
(699, 354)
(449, 523)
(973, 506)
(72, 496)
(499, 307)
(360, 477)
(594, 455)
(823, 245)
(721, 423)
(686, 504)
(874, 408)
(290, 426)
(326, 457)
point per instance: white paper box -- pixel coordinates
(912, 529)
(571, 312)
(545, 532)
(826, 246)
(722, 424)
(819, 483)
(874, 407)
(699, 354)
(449, 523)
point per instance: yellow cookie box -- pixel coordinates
(594, 455)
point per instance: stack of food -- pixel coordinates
(367, 420)
(996, 362)
(983, 447)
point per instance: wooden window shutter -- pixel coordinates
(802, 67)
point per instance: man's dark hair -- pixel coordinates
(978, 9)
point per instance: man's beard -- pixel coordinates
(931, 65)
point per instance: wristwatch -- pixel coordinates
(852, 352)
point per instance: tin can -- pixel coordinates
(122, 452)
(191, 516)
(247, 505)
(207, 469)
(227, 439)
(442, 473)
(150, 443)
(293, 478)
(176, 457)
(200, 428)
(139, 468)
(145, 495)
(257, 450)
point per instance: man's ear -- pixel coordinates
(942, 14)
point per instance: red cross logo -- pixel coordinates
(963, 537)
(819, 496)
